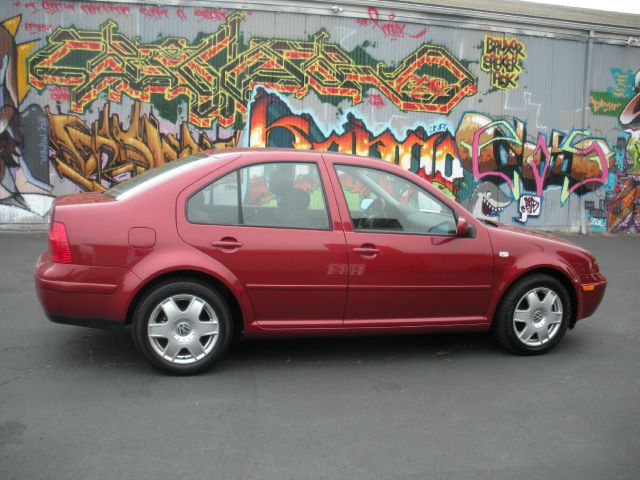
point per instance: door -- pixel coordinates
(270, 224)
(406, 265)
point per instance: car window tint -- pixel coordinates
(283, 195)
(287, 195)
(382, 201)
(217, 203)
(166, 170)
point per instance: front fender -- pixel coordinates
(525, 258)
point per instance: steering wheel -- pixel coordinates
(374, 211)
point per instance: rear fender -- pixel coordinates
(163, 261)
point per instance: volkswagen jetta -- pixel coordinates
(258, 243)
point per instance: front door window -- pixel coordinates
(385, 202)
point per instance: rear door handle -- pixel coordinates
(367, 251)
(227, 244)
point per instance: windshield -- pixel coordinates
(153, 173)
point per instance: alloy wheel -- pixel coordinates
(183, 329)
(538, 316)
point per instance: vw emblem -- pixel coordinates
(183, 329)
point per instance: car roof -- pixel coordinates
(269, 151)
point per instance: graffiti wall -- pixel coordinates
(96, 93)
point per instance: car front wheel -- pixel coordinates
(533, 315)
(182, 327)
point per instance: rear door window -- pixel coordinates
(277, 194)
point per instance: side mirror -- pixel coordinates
(462, 227)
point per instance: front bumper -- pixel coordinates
(87, 295)
(591, 292)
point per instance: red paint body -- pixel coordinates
(296, 281)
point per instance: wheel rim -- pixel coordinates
(183, 329)
(537, 317)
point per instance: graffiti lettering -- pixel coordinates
(391, 29)
(602, 106)
(93, 9)
(103, 154)
(495, 148)
(624, 208)
(217, 78)
(59, 94)
(36, 28)
(375, 100)
(51, 8)
(502, 57)
(32, 6)
(612, 101)
(529, 207)
(623, 83)
(210, 14)
(434, 157)
(154, 13)
(181, 15)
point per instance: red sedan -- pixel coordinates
(259, 243)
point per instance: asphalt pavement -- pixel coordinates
(78, 403)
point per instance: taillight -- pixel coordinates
(59, 243)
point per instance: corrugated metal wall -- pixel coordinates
(102, 91)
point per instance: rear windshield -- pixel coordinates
(153, 173)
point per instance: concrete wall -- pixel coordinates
(525, 126)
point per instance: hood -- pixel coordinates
(534, 233)
(523, 243)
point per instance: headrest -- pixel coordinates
(296, 199)
(280, 182)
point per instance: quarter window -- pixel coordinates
(285, 195)
(385, 202)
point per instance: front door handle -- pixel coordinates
(367, 250)
(227, 244)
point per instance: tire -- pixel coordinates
(533, 315)
(182, 327)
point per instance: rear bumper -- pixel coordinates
(100, 323)
(591, 293)
(85, 295)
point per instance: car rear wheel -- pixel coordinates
(182, 327)
(533, 315)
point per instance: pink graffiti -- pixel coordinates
(539, 178)
(210, 14)
(32, 6)
(36, 28)
(59, 94)
(604, 168)
(93, 9)
(52, 8)
(375, 100)
(390, 28)
(530, 205)
(181, 15)
(540, 146)
(475, 154)
(155, 13)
